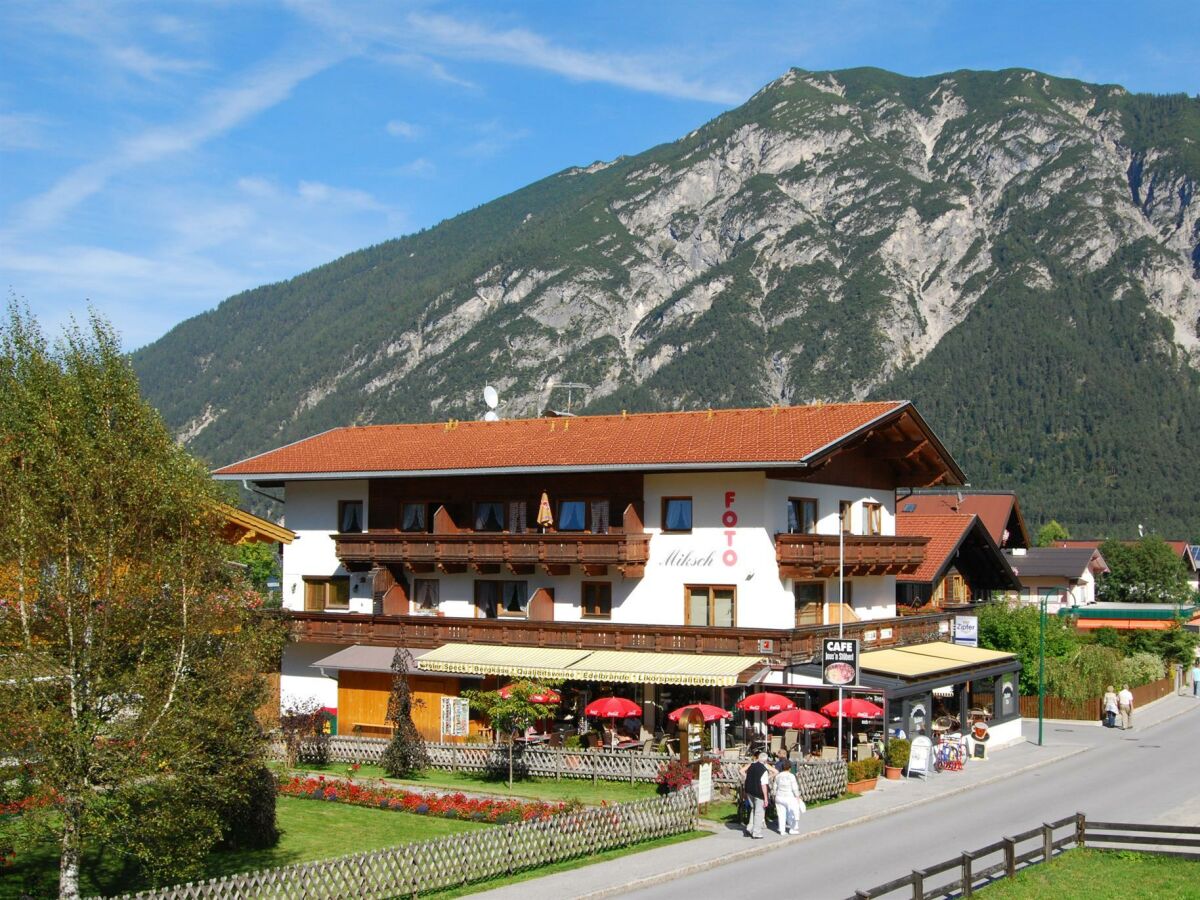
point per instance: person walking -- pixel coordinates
(788, 802)
(1109, 704)
(1196, 678)
(1125, 699)
(757, 787)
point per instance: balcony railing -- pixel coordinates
(795, 645)
(816, 555)
(486, 552)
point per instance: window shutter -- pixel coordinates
(599, 517)
(516, 517)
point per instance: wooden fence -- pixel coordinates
(1089, 710)
(818, 780)
(412, 869)
(972, 869)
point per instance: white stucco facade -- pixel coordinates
(735, 516)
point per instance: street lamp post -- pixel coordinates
(1041, 667)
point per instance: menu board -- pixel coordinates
(704, 783)
(455, 717)
(920, 756)
(839, 662)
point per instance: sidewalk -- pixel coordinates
(729, 843)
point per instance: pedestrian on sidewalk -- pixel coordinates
(1125, 699)
(1196, 678)
(788, 802)
(1109, 704)
(757, 786)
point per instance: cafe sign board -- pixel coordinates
(456, 716)
(920, 756)
(839, 662)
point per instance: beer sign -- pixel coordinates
(839, 662)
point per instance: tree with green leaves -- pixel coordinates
(130, 651)
(1050, 532)
(261, 562)
(405, 753)
(1016, 630)
(1144, 571)
(512, 710)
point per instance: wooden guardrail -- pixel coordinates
(1002, 859)
(1089, 710)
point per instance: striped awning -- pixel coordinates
(664, 668)
(588, 665)
(515, 662)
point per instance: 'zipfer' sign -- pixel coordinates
(839, 661)
(966, 631)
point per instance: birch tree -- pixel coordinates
(129, 650)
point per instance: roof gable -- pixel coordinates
(999, 511)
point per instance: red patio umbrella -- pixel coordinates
(544, 696)
(710, 713)
(765, 702)
(853, 708)
(612, 708)
(798, 718)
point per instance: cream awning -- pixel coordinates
(663, 668)
(587, 665)
(487, 659)
(927, 659)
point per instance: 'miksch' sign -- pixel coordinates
(839, 661)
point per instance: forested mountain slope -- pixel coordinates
(1017, 253)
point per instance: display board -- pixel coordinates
(456, 715)
(920, 757)
(704, 784)
(839, 662)
(966, 631)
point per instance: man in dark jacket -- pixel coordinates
(758, 782)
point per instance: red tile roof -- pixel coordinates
(713, 437)
(945, 533)
(1180, 547)
(994, 510)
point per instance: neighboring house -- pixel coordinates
(242, 527)
(1064, 576)
(671, 557)
(1135, 616)
(999, 511)
(1189, 553)
(962, 563)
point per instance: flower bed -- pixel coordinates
(447, 806)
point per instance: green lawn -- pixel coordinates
(311, 830)
(538, 788)
(1087, 874)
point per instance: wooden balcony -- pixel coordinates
(782, 646)
(519, 554)
(816, 555)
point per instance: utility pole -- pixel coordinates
(1041, 668)
(842, 612)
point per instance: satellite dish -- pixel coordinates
(490, 397)
(490, 416)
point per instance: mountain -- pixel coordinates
(1017, 253)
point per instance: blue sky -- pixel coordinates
(156, 158)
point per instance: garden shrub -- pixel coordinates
(248, 821)
(1142, 668)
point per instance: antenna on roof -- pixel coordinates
(571, 386)
(492, 398)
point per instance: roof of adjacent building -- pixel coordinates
(950, 535)
(1066, 562)
(782, 436)
(1189, 552)
(243, 527)
(996, 510)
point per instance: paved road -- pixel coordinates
(1147, 775)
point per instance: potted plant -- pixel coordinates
(898, 750)
(862, 775)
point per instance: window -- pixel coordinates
(845, 510)
(327, 593)
(496, 599)
(810, 600)
(872, 518)
(802, 515)
(572, 515)
(677, 514)
(424, 595)
(711, 605)
(597, 600)
(414, 517)
(489, 516)
(350, 516)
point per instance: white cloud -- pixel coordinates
(522, 47)
(20, 131)
(401, 129)
(219, 113)
(153, 67)
(418, 168)
(494, 138)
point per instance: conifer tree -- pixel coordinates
(405, 754)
